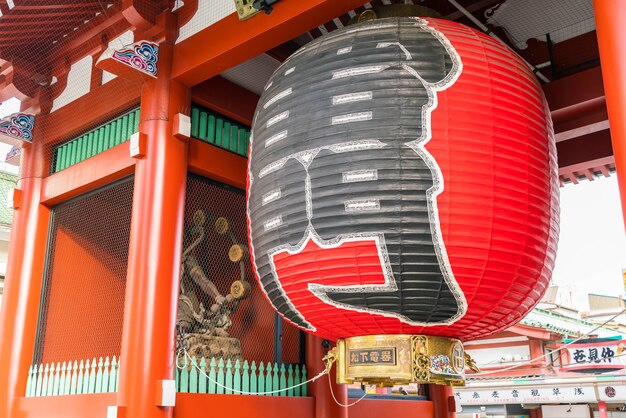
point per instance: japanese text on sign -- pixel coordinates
(373, 356)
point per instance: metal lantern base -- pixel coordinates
(388, 360)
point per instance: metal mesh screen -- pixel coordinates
(85, 279)
(50, 50)
(222, 312)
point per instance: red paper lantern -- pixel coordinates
(403, 180)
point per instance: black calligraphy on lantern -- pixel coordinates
(556, 391)
(578, 391)
(476, 395)
(349, 177)
(515, 393)
(534, 392)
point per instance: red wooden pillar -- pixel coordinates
(147, 354)
(22, 289)
(325, 405)
(610, 27)
(602, 409)
(443, 400)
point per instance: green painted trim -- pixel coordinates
(97, 140)
(213, 128)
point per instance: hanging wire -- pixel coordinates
(528, 362)
(193, 363)
(332, 392)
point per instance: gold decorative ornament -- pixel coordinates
(387, 360)
(221, 225)
(236, 252)
(240, 289)
(199, 218)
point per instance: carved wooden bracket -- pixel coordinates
(137, 58)
(17, 129)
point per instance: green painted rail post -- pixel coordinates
(202, 383)
(298, 380)
(211, 128)
(237, 378)
(290, 380)
(193, 376)
(219, 131)
(53, 380)
(212, 376)
(261, 379)
(81, 378)
(220, 376)
(268, 379)
(29, 381)
(119, 131)
(234, 138)
(304, 379)
(131, 123)
(195, 114)
(245, 378)
(184, 379)
(226, 136)
(202, 130)
(92, 377)
(106, 375)
(44, 383)
(253, 379)
(275, 380)
(98, 386)
(39, 380)
(61, 389)
(115, 365)
(74, 378)
(283, 379)
(228, 380)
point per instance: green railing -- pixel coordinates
(73, 378)
(215, 129)
(96, 141)
(209, 377)
(234, 378)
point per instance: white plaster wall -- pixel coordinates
(493, 356)
(78, 83)
(209, 12)
(565, 411)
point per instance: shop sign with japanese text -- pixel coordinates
(596, 356)
(526, 394)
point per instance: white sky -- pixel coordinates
(592, 244)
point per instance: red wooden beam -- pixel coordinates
(201, 57)
(217, 164)
(87, 175)
(584, 149)
(572, 91)
(227, 98)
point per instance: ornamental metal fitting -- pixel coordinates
(387, 360)
(248, 8)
